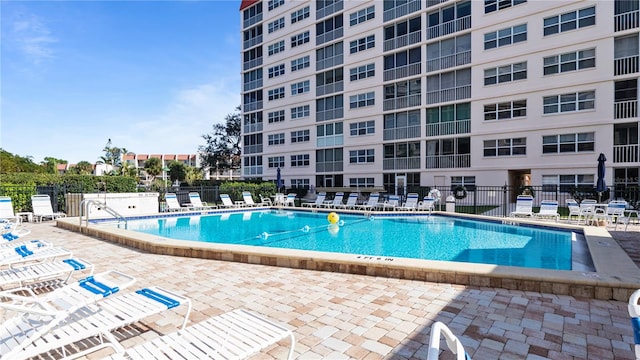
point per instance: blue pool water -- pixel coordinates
(419, 237)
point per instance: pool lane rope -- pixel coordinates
(300, 232)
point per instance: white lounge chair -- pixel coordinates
(60, 271)
(9, 221)
(615, 210)
(15, 236)
(337, 200)
(412, 202)
(227, 202)
(392, 203)
(371, 203)
(248, 199)
(574, 209)
(351, 201)
(290, 200)
(587, 210)
(31, 252)
(548, 210)
(39, 328)
(634, 313)
(42, 208)
(438, 330)
(197, 204)
(265, 201)
(237, 334)
(171, 199)
(318, 202)
(524, 206)
(427, 204)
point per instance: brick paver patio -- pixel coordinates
(345, 316)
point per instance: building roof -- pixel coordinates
(246, 3)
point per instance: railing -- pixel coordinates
(448, 161)
(626, 153)
(252, 42)
(403, 71)
(401, 163)
(401, 102)
(626, 21)
(329, 114)
(449, 61)
(329, 35)
(404, 9)
(625, 109)
(444, 95)
(409, 132)
(625, 65)
(449, 128)
(329, 88)
(252, 63)
(329, 62)
(250, 85)
(328, 10)
(253, 128)
(85, 207)
(252, 106)
(449, 27)
(403, 40)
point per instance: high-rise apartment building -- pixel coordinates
(440, 93)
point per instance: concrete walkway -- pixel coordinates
(344, 316)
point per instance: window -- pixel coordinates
(299, 136)
(394, 9)
(252, 79)
(276, 116)
(402, 125)
(329, 108)
(468, 182)
(361, 182)
(252, 36)
(272, 4)
(275, 25)
(276, 47)
(299, 112)
(276, 161)
(300, 88)
(575, 60)
(567, 183)
(276, 139)
(568, 143)
(448, 153)
(570, 21)
(449, 53)
(299, 64)
(402, 94)
(253, 122)
(329, 56)
(276, 71)
(403, 155)
(300, 160)
(449, 119)
(252, 100)
(362, 44)
(329, 160)
(505, 37)
(402, 64)
(329, 82)
(505, 147)
(449, 86)
(252, 15)
(579, 101)
(361, 156)
(361, 16)
(401, 30)
(449, 19)
(299, 183)
(300, 39)
(329, 29)
(252, 58)
(329, 134)
(362, 128)
(252, 143)
(252, 165)
(277, 93)
(362, 72)
(505, 110)
(495, 5)
(505, 73)
(362, 100)
(327, 7)
(299, 15)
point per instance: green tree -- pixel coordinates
(177, 171)
(10, 163)
(50, 164)
(193, 174)
(222, 149)
(153, 167)
(113, 156)
(82, 168)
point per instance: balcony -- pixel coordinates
(626, 21)
(402, 10)
(251, 128)
(329, 88)
(449, 128)
(449, 27)
(401, 133)
(404, 40)
(252, 170)
(250, 85)
(253, 42)
(252, 20)
(329, 62)
(401, 163)
(449, 61)
(625, 109)
(330, 35)
(449, 161)
(459, 93)
(403, 71)
(252, 149)
(329, 114)
(625, 153)
(625, 65)
(252, 106)
(329, 166)
(402, 102)
(328, 10)
(252, 63)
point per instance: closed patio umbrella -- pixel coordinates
(601, 184)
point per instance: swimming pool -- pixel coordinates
(415, 237)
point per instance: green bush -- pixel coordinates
(235, 189)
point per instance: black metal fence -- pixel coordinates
(487, 200)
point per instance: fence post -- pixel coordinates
(504, 200)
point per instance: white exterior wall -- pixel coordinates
(486, 170)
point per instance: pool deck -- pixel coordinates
(349, 316)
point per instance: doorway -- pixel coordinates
(518, 179)
(401, 185)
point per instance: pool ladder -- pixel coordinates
(85, 206)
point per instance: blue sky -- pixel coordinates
(153, 76)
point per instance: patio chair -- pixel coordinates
(574, 209)
(237, 334)
(439, 329)
(42, 208)
(371, 203)
(337, 200)
(227, 202)
(351, 201)
(318, 202)
(171, 199)
(265, 201)
(14, 236)
(60, 271)
(587, 210)
(524, 206)
(248, 199)
(9, 221)
(634, 313)
(290, 200)
(392, 203)
(411, 204)
(195, 203)
(427, 204)
(548, 210)
(39, 327)
(614, 211)
(31, 252)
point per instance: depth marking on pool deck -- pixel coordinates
(364, 257)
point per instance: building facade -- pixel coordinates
(441, 93)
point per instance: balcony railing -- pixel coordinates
(404, 40)
(329, 88)
(252, 149)
(252, 106)
(252, 170)
(449, 61)
(329, 62)
(625, 109)
(253, 42)
(431, 3)
(404, 71)
(330, 35)
(449, 128)
(252, 63)
(626, 21)
(625, 153)
(328, 10)
(250, 85)
(252, 20)
(449, 27)
(329, 114)
(401, 163)
(329, 166)
(402, 10)
(250, 128)
(626, 65)
(448, 161)
(459, 93)
(335, 140)
(401, 133)
(402, 102)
